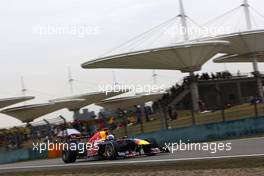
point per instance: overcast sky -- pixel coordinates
(43, 59)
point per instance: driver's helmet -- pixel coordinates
(110, 137)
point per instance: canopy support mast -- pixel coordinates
(255, 60)
(183, 16)
(193, 84)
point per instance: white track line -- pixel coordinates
(129, 162)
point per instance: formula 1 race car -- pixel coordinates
(104, 146)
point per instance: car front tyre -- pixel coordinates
(69, 156)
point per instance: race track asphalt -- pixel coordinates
(248, 147)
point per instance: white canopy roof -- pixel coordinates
(185, 57)
(129, 101)
(239, 58)
(88, 99)
(247, 42)
(10, 101)
(30, 112)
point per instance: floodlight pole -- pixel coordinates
(154, 75)
(114, 78)
(255, 60)
(70, 80)
(23, 89)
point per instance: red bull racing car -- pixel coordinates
(104, 146)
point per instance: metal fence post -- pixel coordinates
(256, 110)
(124, 117)
(163, 116)
(141, 119)
(193, 117)
(222, 104)
(64, 121)
(65, 128)
(161, 119)
(223, 113)
(125, 128)
(49, 128)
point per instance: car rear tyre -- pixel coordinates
(147, 150)
(110, 151)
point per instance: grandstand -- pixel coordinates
(236, 89)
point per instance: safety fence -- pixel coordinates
(249, 126)
(209, 132)
(161, 120)
(21, 155)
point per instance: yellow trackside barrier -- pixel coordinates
(55, 152)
